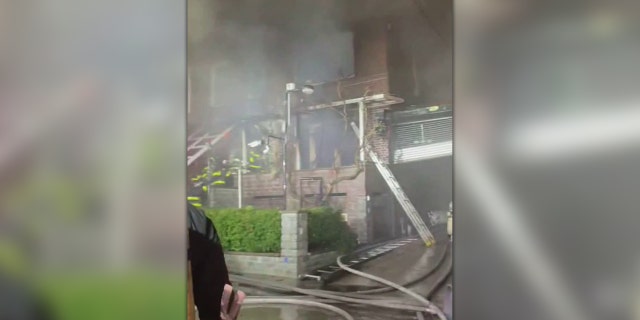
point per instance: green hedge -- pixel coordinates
(248, 229)
(259, 231)
(327, 231)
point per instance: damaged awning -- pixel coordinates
(381, 100)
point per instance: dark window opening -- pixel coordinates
(327, 139)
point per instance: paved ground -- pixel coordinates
(443, 298)
(429, 285)
(400, 266)
(371, 313)
(303, 313)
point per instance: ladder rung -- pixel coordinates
(312, 276)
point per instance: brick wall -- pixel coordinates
(420, 55)
(254, 185)
(223, 198)
(370, 64)
(265, 191)
(378, 142)
(256, 188)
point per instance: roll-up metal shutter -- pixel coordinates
(423, 139)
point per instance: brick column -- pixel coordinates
(360, 219)
(294, 242)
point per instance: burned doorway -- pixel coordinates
(381, 207)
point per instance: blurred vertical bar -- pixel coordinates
(92, 159)
(546, 137)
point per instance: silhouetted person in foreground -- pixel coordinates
(212, 292)
(19, 302)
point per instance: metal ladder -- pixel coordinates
(203, 143)
(402, 197)
(330, 272)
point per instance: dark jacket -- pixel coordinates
(19, 301)
(208, 268)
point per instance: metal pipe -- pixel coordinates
(244, 161)
(240, 187)
(361, 126)
(288, 109)
(285, 177)
(374, 98)
(188, 92)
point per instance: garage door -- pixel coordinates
(423, 139)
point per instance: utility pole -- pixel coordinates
(285, 174)
(290, 88)
(242, 165)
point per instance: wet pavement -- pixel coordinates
(401, 265)
(284, 313)
(433, 282)
(430, 285)
(305, 313)
(443, 297)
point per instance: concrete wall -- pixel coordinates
(293, 260)
(277, 266)
(254, 263)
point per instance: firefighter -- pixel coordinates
(219, 178)
(195, 196)
(202, 177)
(210, 178)
(235, 165)
(198, 191)
(254, 161)
(227, 172)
